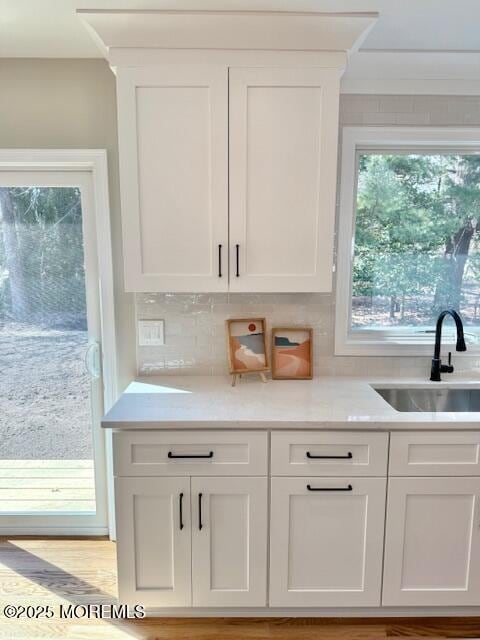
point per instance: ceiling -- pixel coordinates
(412, 40)
(50, 28)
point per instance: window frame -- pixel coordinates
(357, 140)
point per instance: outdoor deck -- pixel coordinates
(47, 485)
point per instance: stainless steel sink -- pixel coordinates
(404, 399)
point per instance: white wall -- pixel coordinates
(71, 104)
(194, 324)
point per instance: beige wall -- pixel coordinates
(70, 104)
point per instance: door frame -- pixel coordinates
(94, 162)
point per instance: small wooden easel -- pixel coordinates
(262, 375)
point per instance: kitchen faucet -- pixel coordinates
(437, 366)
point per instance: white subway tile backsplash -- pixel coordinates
(412, 118)
(446, 118)
(431, 104)
(396, 104)
(472, 117)
(377, 118)
(351, 118)
(200, 347)
(355, 103)
(195, 338)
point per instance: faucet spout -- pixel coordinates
(437, 367)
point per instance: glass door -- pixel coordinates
(52, 472)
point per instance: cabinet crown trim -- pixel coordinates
(262, 30)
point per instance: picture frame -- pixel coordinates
(292, 353)
(247, 346)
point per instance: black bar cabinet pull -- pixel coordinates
(237, 251)
(219, 260)
(200, 525)
(349, 456)
(191, 455)
(348, 488)
(181, 510)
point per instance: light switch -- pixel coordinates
(151, 333)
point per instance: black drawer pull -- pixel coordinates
(219, 260)
(349, 488)
(181, 510)
(237, 251)
(349, 456)
(200, 525)
(191, 455)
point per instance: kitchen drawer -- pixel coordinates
(327, 453)
(435, 454)
(166, 453)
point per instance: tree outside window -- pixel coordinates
(417, 240)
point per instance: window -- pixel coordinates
(409, 238)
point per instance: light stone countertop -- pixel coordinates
(205, 402)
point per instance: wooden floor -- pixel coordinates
(51, 572)
(51, 486)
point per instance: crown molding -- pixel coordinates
(413, 72)
(227, 30)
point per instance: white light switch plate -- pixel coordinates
(151, 333)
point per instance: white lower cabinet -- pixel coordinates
(432, 550)
(199, 541)
(229, 542)
(153, 541)
(326, 541)
(188, 536)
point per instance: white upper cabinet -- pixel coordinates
(228, 177)
(283, 130)
(173, 137)
(228, 128)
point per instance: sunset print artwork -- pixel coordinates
(292, 354)
(246, 346)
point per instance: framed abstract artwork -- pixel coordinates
(292, 353)
(247, 346)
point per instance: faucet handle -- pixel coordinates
(447, 368)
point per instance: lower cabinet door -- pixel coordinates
(326, 541)
(229, 541)
(432, 545)
(153, 541)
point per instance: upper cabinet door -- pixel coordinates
(283, 159)
(173, 137)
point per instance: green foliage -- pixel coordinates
(416, 241)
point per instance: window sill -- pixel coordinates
(404, 345)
